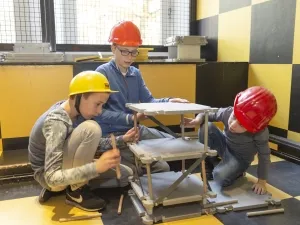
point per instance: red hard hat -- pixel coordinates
(125, 33)
(254, 108)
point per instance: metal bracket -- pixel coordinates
(224, 209)
(274, 202)
(270, 201)
(148, 159)
(147, 220)
(211, 194)
(219, 204)
(209, 211)
(148, 205)
(211, 152)
(137, 204)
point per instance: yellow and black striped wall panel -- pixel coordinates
(265, 33)
(25, 93)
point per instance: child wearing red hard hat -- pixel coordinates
(125, 39)
(245, 135)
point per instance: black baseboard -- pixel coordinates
(287, 149)
(285, 156)
(16, 143)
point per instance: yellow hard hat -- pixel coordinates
(89, 81)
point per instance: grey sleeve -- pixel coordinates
(263, 150)
(55, 132)
(105, 144)
(222, 115)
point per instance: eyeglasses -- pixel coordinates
(134, 53)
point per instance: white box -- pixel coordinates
(185, 47)
(32, 47)
(184, 52)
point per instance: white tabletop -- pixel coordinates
(168, 108)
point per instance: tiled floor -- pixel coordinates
(283, 175)
(18, 204)
(273, 159)
(29, 211)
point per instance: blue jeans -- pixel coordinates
(230, 167)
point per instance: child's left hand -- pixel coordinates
(178, 100)
(131, 135)
(260, 187)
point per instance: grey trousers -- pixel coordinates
(80, 148)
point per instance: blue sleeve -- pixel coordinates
(145, 94)
(101, 69)
(115, 118)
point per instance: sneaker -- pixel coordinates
(84, 199)
(209, 167)
(45, 195)
(209, 175)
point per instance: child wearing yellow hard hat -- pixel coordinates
(62, 157)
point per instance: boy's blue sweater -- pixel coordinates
(116, 117)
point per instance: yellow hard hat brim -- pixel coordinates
(100, 91)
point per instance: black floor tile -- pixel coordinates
(19, 190)
(290, 216)
(11, 157)
(110, 214)
(283, 175)
(129, 215)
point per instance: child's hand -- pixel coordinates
(131, 135)
(140, 117)
(178, 100)
(260, 187)
(191, 123)
(109, 159)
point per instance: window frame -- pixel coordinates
(49, 34)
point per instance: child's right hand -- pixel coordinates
(109, 159)
(132, 135)
(140, 117)
(191, 123)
